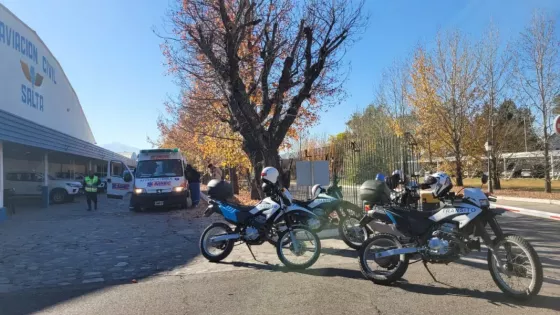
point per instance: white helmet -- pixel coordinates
(270, 175)
(316, 190)
(439, 183)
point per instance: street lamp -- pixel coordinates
(488, 148)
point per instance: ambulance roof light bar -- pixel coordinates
(160, 150)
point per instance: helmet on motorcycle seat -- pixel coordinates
(316, 190)
(380, 177)
(270, 175)
(439, 183)
(267, 188)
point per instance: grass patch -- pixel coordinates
(525, 184)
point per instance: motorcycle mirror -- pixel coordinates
(484, 179)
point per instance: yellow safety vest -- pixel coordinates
(91, 183)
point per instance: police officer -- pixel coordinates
(90, 183)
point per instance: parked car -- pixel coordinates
(526, 173)
(30, 184)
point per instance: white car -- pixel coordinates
(30, 184)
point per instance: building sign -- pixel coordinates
(34, 86)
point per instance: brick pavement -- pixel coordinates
(66, 245)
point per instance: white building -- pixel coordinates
(42, 125)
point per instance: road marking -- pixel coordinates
(529, 212)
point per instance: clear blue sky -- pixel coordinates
(113, 60)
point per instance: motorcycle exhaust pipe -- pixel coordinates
(397, 251)
(225, 237)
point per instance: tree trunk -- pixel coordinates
(261, 158)
(459, 170)
(234, 180)
(547, 180)
(495, 174)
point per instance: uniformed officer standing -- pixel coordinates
(90, 183)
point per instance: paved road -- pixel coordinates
(191, 285)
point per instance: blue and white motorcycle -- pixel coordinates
(297, 246)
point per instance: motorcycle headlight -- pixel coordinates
(484, 202)
(178, 189)
(138, 191)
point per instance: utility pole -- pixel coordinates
(525, 132)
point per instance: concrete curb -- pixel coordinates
(533, 200)
(529, 212)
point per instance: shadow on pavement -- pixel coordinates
(344, 252)
(549, 302)
(320, 272)
(51, 256)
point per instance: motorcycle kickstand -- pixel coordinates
(250, 250)
(428, 269)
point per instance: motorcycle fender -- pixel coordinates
(211, 209)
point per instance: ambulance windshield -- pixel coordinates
(159, 168)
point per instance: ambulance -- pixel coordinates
(157, 181)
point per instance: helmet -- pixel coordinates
(439, 183)
(270, 175)
(316, 190)
(380, 177)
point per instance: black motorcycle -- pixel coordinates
(443, 235)
(254, 225)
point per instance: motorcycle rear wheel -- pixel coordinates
(354, 236)
(224, 247)
(393, 267)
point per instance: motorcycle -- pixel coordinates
(443, 235)
(254, 225)
(328, 208)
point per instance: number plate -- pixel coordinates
(159, 203)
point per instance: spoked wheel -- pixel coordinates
(215, 251)
(384, 270)
(518, 272)
(301, 247)
(352, 233)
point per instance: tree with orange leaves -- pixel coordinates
(260, 64)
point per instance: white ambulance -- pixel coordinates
(157, 181)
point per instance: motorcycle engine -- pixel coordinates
(255, 228)
(445, 243)
(251, 234)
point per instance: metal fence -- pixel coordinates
(354, 161)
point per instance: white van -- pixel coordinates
(157, 181)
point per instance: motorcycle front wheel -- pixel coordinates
(389, 269)
(351, 232)
(519, 273)
(298, 247)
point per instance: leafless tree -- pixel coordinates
(456, 70)
(538, 73)
(267, 60)
(495, 84)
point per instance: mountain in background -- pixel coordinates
(119, 147)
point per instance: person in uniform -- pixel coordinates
(91, 181)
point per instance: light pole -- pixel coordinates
(488, 148)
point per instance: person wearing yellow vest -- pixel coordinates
(90, 186)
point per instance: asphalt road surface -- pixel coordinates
(333, 285)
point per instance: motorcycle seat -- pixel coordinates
(240, 208)
(302, 203)
(413, 213)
